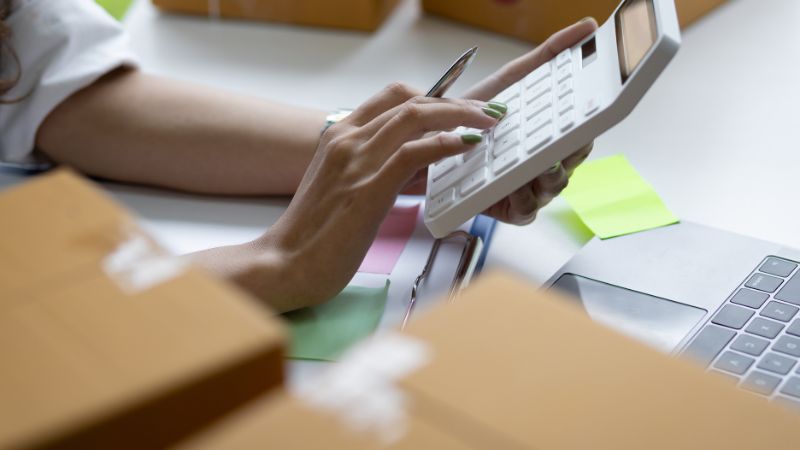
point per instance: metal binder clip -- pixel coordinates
(466, 267)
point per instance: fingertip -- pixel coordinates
(589, 20)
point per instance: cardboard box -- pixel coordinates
(529, 365)
(535, 20)
(107, 341)
(287, 423)
(508, 367)
(366, 15)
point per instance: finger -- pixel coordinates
(415, 155)
(415, 118)
(388, 98)
(518, 68)
(523, 205)
(549, 184)
(574, 160)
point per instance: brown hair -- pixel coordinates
(6, 52)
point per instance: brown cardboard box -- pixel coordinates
(508, 367)
(364, 15)
(110, 346)
(535, 20)
(287, 423)
(530, 366)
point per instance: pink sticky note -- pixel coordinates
(393, 235)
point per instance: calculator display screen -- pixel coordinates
(636, 33)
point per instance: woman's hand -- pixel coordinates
(521, 206)
(359, 168)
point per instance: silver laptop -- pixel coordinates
(728, 301)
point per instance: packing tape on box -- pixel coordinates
(139, 264)
(362, 390)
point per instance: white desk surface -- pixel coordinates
(716, 135)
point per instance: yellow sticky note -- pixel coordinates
(612, 199)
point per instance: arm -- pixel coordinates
(149, 130)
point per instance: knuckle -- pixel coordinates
(411, 112)
(418, 99)
(400, 90)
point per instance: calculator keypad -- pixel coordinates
(540, 106)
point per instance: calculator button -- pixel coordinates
(473, 181)
(591, 106)
(566, 104)
(511, 93)
(566, 121)
(564, 58)
(537, 75)
(564, 88)
(503, 162)
(506, 126)
(538, 90)
(791, 291)
(442, 168)
(537, 140)
(441, 202)
(779, 267)
(508, 142)
(537, 121)
(562, 73)
(479, 152)
(763, 282)
(538, 105)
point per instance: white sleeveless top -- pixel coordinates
(63, 46)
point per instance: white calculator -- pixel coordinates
(558, 108)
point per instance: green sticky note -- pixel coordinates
(612, 199)
(116, 8)
(323, 332)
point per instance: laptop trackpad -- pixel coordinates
(655, 321)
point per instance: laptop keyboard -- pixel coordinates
(754, 338)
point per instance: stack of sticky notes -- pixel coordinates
(612, 199)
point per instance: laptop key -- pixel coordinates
(790, 292)
(779, 311)
(749, 297)
(708, 343)
(750, 344)
(765, 328)
(776, 363)
(734, 363)
(732, 316)
(763, 282)
(792, 387)
(760, 382)
(778, 267)
(794, 328)
(786, 402)
(788, 345)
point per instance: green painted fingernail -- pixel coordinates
(471, 139)
(493, 113)
(497, 106)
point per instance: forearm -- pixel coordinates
(139, 128)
